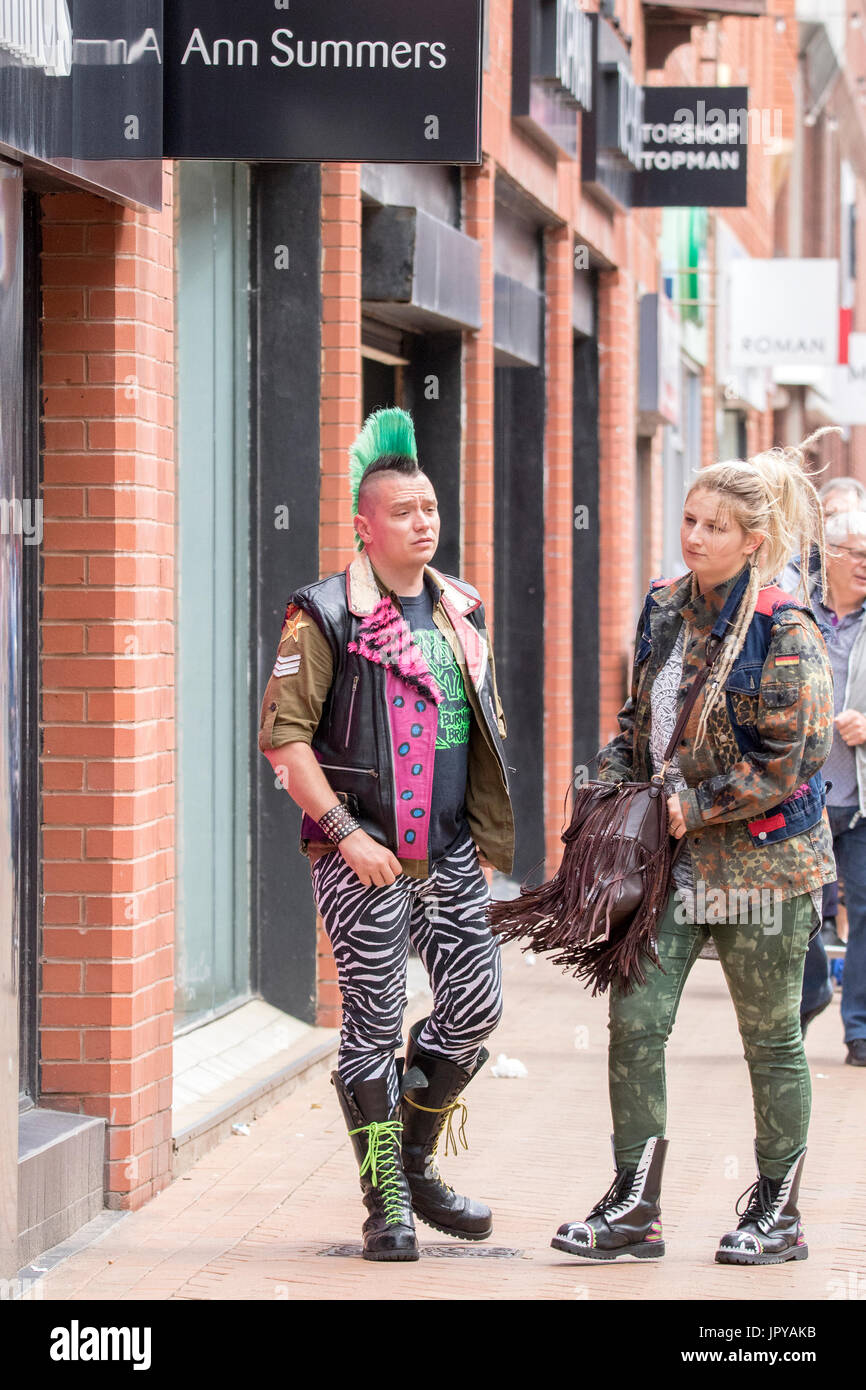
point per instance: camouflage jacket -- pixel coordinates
(786, 707)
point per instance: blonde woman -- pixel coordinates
(745, 790)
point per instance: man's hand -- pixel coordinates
(852, 726)
(374, 864)
(676, 824)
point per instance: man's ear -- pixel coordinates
(359, 522)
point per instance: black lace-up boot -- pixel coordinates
(627, 1219)
(769, 1231)
(389, 1231)
(431, 1087)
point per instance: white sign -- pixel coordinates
(38, 34)
(784, 311)
(574, 51)
(847, 404)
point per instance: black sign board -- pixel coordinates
(611, 128)
(381, 80)
(551, 69)
(695, 142)
(81, 90)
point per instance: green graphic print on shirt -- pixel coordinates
(454, 712)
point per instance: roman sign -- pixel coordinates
(784, 312)
(81, 90)
(323, 80)
(694, 146)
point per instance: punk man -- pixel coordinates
(383, 721)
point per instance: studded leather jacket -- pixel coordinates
(378, 722)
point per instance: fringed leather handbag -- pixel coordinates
(600, 910)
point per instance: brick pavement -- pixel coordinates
(254, 1218)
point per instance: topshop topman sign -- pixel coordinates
(323, 80)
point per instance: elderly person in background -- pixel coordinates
(840, 613)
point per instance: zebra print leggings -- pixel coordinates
(444, 917)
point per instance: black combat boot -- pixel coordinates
(389, 1231)
(627, 1219)
(431, 1087)
(769, 1231)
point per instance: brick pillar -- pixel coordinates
(341, 401)
(478, 440)
(107, 758)
(617, 406)
(558, 536)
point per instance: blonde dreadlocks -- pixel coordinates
(772, 494)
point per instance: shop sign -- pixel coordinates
(784, 312)
(694, 148)
(81, 91)
(323, 80)
(611, 129)
(847, 404)
(38, 33)
(552, 69)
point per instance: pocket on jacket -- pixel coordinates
(780, 694)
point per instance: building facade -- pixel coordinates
(187, 357)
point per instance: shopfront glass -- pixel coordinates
(212, 970)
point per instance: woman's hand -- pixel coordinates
(676, 823)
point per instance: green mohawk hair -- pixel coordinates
(388, 431)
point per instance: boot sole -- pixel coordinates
(451, 1230)
(396, 1256)
(730, 1257)
(648, 1250)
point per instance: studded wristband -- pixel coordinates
(338, 823)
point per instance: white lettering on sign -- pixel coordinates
(690, 159)
(337, 53)
(574, 51)
(630, 118)
(38, 34)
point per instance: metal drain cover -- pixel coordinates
(464, 1251)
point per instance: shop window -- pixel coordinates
(213, 893)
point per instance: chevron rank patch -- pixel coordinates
(287, 665)
(788, 660)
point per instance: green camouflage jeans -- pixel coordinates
(763, 966)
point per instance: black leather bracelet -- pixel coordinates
(338, 823)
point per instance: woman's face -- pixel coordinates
(714, 546)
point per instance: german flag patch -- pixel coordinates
(787, 660)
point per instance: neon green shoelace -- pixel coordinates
(383, 1146)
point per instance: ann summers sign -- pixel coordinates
(323, 80)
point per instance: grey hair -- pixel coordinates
(852, 485)
(843, 524)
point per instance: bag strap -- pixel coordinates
(714, 645)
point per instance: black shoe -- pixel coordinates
(856, 1053)
(829, 934)
(627, 1219)
(431, 1087)
(769, 1231)
(389, 1231)
(806, 1018)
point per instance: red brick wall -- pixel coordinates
(479, 202)
(341, 405)
(558, 536)
(107, 671)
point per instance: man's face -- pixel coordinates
(846, 566)
(398, 520)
